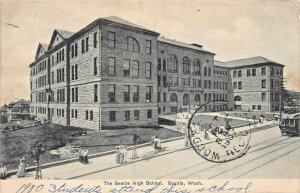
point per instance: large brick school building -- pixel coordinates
(115, 73)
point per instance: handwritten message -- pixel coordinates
(133, 187)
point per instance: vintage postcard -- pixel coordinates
(150, 96)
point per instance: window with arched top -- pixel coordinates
(132, 44)
(172, 63)
(205, 71)
(173, 97)
(209, 71)
(186, 65)
(197, 67)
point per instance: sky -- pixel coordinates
(232, 29)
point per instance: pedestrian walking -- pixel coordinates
(156, 143)
(22, 167)
(38, 171)
(3, 171)
(80, 155)
(85, 156)
(135, 139)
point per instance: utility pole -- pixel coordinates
(281, 87)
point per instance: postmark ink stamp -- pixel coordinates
(217, 138)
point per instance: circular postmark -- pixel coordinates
(218, 138)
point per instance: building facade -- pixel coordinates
(113, 73)
(256, 84)
(19, 110)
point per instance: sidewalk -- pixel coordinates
(76, 169)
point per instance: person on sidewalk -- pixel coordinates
(135, 139)
(80, 155)
(156, 143)
(3, 171)
(22, 167)
(85, 156)
(38, 171)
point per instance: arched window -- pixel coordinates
(197, 67)
(186, 100)
(209, 71)
(173, 97)
(237, 98)
(172, 66)
(205, 71)
(132, 44)
(186, 65)
(197, 97)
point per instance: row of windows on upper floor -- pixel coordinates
(186, 67)
(253, 72)
(220, 73)
(273, 84)
(132, 45)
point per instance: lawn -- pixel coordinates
(220, 121)
(14, 144)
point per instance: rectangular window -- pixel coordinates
(234, 74)
(135, 68)
(86, 115)
(148, 46)
(76, 49)
(135, 93)
(75, 113)
(76, 72)
(111, 39)
(263, 96)
(158, 80)
(86, 44)
(254, 72)
(148, 70)
(176, 81)
(112, 116)
(95, 66)
(158, 96)
(82, 46)
(95, 40)
(182, 81)
(72, 51)
(111, 93)
(95, 93)
(164, 97)
(239, 85)
(136, 115)
(248, 72)
(91, 115)
(263, 83)
(126, 68)
(165, 81)
(149, 113)
(126, 92)
(63, 54)
(263, 71)
(127, 115)
(234, 85)
(159, 64)
(253, 107)
(188, 82)
(148, 93)
(76, 94)
(72, 113)
(111, 66)
(239, 73)
(272, 71)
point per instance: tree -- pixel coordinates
(36, 149)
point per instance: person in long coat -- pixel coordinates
(85, 156)
(3, 171)
(22, 166)
(156, 143)
(38, 171)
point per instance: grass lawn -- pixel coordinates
(15, 143)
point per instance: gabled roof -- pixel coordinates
(249, 61)
(20, 103)
(62, 33)
(181, 44)
(42, 46)
(124, 22)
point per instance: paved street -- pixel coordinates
(270, 156)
